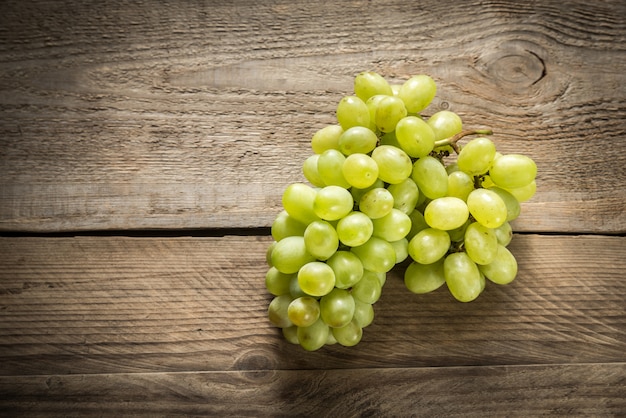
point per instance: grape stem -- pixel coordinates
(452, 141)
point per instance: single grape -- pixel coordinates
(513, 208)
(357, 139)
(347, 267)
(476, 156)
(348, 335)
(431, 177)
(294, 288)
(462, 277)
(304, 311)
(337, 308)
(291, 334)
(415, 136)
(332, 203)
(376, 255)
(330, 168)
(316, 278)
(326, 138)
(321, 240)
(405, 195)
(289, 254)
(355, 229)
(357, 193)
(429, 245)
(417, 223)
(363, 313)
(424, 278)
(417, 92)
(503, 269)
(524, 193)
(394, 165)
(309, 169)
(512, 171)
(277, 283)
(389, 111)
(458, 234)
(487, 208)
(298, 201)
(445, 124)
(285, 225)
(460, 184)
(372, 105)
(352, 111)
(370, 83)
(481, 243)
(393, 226)
(360, 170)
(277, 311)
(402, 249)
(313, 337)
(376, 203)
(446, 213)
(368, 289)
(504, 233)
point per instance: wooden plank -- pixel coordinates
(115, 305)
(122, 116)
(514, 391)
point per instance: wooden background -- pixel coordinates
(144, 147)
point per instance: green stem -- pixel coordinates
(452, 141)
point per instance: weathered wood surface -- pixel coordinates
(186, 116)
(197, 115)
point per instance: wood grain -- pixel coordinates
(120, 305)
(197, 115)
(555, 390)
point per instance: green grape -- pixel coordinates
(376, 203)
(331, 340)
(476, 156)
(431, 177)
(503, 269)
(277, 283)
(309, 169)
(347, 267)
(360, 170)
(355, 229)
(460, 184)
(294, 287)
(332, 203)
(458, 234)
(337, 308)
(452, 167)
(352, 111)
(417, 92)
(389, 138)
(304, 311)
(394, 165)
(395, 88)
(268, 253)
(424, 278)
(285, 225)
(290, 254)
(513, 208)
(298, 201)
(370, 83)
(524, 193)
(393, 226)
(405, 195)
(512, 171)
(485, 182)
(357, 193)
(368, 289)
(363, 313)
(429, 245)
(313, 337)
(329, 168)
(402, 249)
(504, 233)
(481, 243)
(291, 334)
(415, 136)
(389, 111)
(277, 311)
(357, 139)
(316, 278)
(372, 105)
(376, 255)
(417, 223)
(321, 240)
(326, 138)
(462, 277)
(445, 124)
(487, 208)
(446, 213)
(348, 335)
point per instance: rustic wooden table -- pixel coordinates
(144, 147)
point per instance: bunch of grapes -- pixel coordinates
(383, 188)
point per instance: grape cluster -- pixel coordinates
(383, 188)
